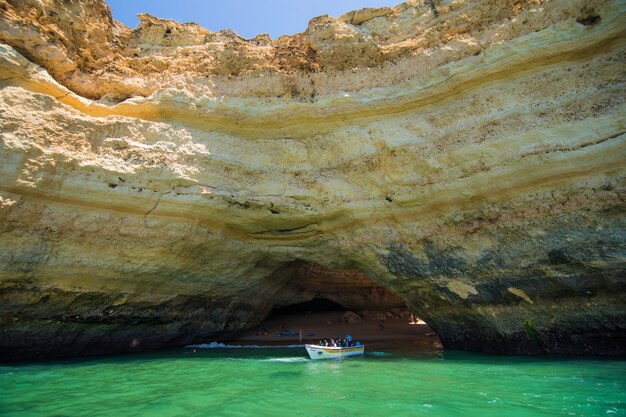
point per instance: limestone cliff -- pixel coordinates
(168, 184)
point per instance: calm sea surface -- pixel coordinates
(283, 382)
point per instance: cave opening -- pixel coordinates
(317, 303)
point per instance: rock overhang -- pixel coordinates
(476, 170)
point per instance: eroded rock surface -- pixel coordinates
(166, 184)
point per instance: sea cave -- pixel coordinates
(168, 185)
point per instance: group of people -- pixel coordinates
(337, 342)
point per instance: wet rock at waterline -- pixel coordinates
(167, 184)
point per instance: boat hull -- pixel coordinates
(326, 352)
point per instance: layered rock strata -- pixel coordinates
(165, 185)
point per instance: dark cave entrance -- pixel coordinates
(317, 303)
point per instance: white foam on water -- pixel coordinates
(217, 345)
(287, 360)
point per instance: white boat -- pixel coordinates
(328, 352)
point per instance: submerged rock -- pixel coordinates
(168, 185)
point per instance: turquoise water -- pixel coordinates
(283, 382)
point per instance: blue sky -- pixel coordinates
(246, 17)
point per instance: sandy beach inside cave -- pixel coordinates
(324, 325)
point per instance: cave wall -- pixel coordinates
(162, 188)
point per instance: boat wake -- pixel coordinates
(286, 360)
(217, 345)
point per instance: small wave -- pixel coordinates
(217, 345)
(288, 360)
(378, 354)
